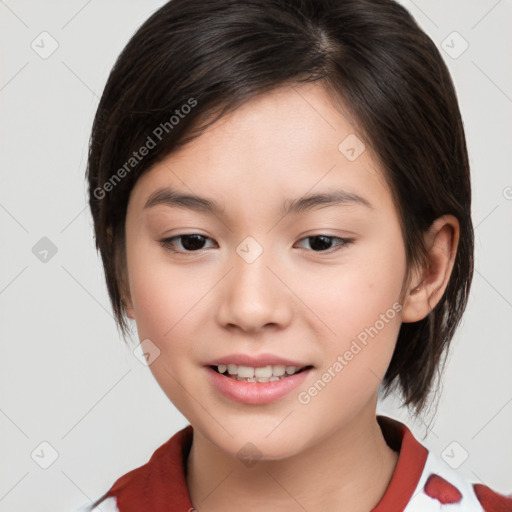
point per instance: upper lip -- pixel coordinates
(255, 361)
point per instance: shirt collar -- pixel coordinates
(161, 482)
(411, 462)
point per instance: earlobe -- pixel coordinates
(430, 282)
(130, 312)
(124, 290)
(126, 298)
(128, 305)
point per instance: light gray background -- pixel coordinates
(66, 377)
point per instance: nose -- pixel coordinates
(254, 296)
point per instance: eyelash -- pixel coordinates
(167, 243)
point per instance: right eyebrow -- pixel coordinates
(170, 197)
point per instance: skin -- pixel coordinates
(294, 300)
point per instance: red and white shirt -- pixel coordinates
(421, 482)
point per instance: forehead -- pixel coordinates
(280, 145)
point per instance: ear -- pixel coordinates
(430, 282)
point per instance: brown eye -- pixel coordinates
(323, 243)
(192, 242)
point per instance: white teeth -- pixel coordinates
(278, 370)
(261, 372)
(246, 371)
(265, 371)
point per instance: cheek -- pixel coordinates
(164, 295)
(353, 296)
(167, 301)
(360, 304)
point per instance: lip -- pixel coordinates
(256, 393)
(255, 361)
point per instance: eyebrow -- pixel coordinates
(170, 197)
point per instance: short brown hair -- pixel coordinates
(369, 54)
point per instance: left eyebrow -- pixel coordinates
(323, 199)
(170, 197)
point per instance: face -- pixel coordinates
(258, 283)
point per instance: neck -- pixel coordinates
(349, 470)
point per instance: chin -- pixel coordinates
(257, 440)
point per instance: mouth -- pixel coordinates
(269, 373)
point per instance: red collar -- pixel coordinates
(160, 484)
(409, 468)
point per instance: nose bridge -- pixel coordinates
(253, 296)
(252, 275)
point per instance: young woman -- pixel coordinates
(281, 198)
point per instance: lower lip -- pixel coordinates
(255, 393)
